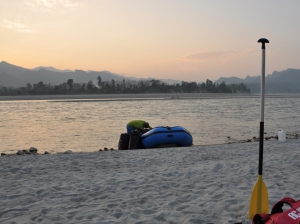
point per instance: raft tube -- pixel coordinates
(160, 136)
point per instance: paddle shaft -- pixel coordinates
(261, 126)
(262, 100)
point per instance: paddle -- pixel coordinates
(259, 198)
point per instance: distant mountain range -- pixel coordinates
(286, 81)
(16, 76)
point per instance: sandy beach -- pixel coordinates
(203, 184)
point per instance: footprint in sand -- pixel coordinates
(118, 215)
(217, 167)
(148, 212)
(182, 207)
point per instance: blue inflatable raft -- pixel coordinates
(167, 136)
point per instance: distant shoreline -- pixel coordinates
(147, 96)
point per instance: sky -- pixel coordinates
(187, 40)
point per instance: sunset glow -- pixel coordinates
(185, 40)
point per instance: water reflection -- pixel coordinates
(91, 125)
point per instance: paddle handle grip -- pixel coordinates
(263, 41)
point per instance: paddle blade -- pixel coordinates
(259, 199)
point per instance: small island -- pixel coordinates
(122, 87)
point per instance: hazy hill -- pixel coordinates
(286, 81)
(52, 69)
(248, 79)
(15, 76)
(11, 75)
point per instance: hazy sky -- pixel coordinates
(190, 40)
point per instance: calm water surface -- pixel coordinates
(90, 125)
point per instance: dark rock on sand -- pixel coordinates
(33, 150)
(68, 152)
(20, 152)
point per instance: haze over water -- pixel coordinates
(57, 126)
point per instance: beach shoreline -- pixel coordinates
(119, 96)
(148, 96)
(199, 184)
(67, 151)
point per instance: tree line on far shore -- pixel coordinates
(128, 86)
